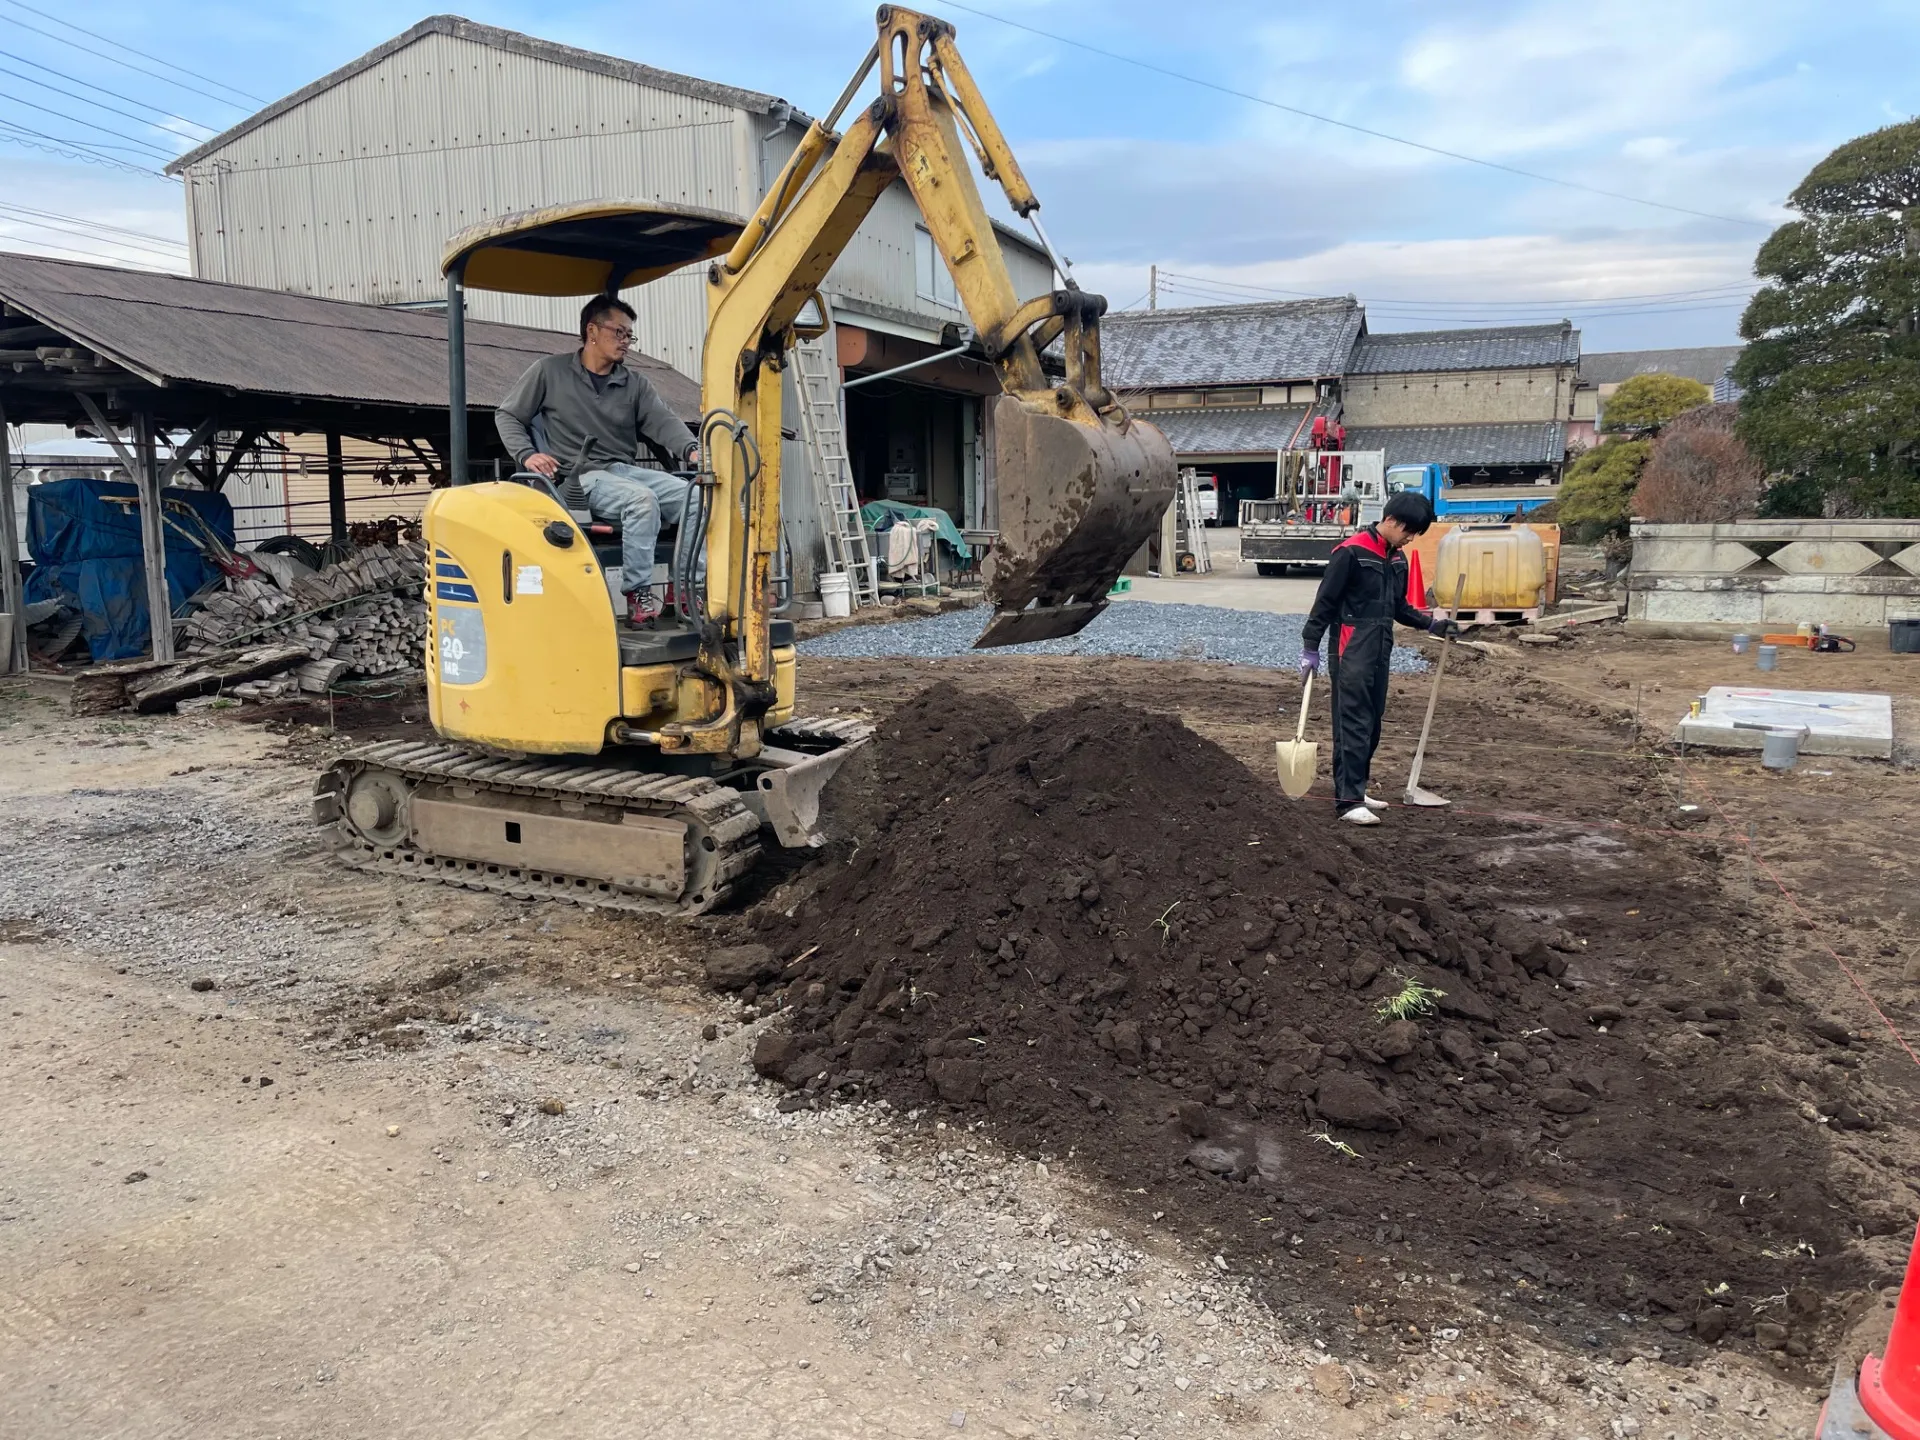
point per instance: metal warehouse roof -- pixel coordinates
(1705, 363)
(1508, 347)
(518, 44)
(1229, 431)
(1534, 443)
(1229, 344)
(178, 333)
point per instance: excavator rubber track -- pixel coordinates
(711, 810)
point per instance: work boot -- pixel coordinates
(1373, 804)
(642, 606)
(1360, 815)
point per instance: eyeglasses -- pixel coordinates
(621, 336)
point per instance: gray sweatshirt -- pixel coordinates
(608, 423)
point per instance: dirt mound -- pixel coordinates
(1099, 930)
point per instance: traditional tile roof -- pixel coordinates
(1507, 347)
(1705, 363)
(1229, 344)
(1531, 443)
(1229, 431)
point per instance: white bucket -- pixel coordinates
(836, 595)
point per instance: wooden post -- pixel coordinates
(336, 488)
(12, 596)
(153, 537)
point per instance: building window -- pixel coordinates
(931, 278)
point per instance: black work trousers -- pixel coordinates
(1359, 672)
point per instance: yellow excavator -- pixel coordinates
(639, 766)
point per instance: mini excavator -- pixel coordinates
(641, 767)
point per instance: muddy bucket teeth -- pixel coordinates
(1077, 501)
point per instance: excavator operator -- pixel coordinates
(589, 405)
(1365, 590)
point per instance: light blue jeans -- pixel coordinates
(640, 502)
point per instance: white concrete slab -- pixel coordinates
(1838, 722)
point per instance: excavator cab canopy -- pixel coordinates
(592, 247)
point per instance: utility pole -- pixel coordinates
(1153, 287)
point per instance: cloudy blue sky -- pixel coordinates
(1714, 107)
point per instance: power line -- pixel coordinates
(13, 132)
(8, 217)
(75, 250)
(108, 40)
(1480, 304)
(1492, 315)
(96, 224)
(1214, 85)
(1520, 310)
(116, 60)
(99, 89)
(136, 142)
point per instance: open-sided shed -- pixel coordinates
(132, 355)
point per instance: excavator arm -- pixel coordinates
(1081, 485)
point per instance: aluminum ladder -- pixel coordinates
(824, 434)
(1190, 532)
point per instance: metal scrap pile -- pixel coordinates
(364, 616)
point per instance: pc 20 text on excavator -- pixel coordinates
(641, 766)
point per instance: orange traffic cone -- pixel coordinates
(1416, 582)
(1890, 1383)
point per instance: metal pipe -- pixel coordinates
(1033, 219)
(457, 375)
(12, 596)
(853, 87)
(902, 369)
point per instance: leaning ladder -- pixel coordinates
(1192, 537)
(824, 434)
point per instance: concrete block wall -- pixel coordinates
(1775, 574)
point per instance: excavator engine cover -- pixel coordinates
(1077, 501)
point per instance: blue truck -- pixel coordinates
(1469, 502)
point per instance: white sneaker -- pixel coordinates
(1360, 815)
(1373, 804)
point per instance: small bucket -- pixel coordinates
(836, 595)
(1767, 657)
(1780, 750)
(1740, 644)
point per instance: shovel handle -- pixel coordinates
(1306, 697)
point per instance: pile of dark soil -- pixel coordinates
(1324, 1047)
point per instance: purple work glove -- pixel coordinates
(1309, 663)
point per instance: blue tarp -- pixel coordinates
(84, 537)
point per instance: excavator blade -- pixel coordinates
(1076, 503)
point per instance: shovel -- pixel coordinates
(1415, 795)
(1298, 760)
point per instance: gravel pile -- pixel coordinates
(1136, 627)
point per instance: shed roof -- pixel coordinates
(1505, 347)
(1229, 430)
(1230, 344)
(1531, 443)
(498, 39)
(1705, 363)
(176, 332)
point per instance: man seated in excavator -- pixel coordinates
(587, 405)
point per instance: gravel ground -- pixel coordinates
(1138, 627)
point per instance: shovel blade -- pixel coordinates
(1425, 799)
(1298, 762)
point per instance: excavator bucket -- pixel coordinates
(1077, 501)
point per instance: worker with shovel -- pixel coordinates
(1365, 591)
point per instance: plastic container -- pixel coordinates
(1780, 749)
(1505, 567)
(1903, 636)
(1740, 644)
(836, 595)
(1767, 657)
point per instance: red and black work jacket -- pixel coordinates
(1364, 589)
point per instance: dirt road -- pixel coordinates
(297, 1152)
